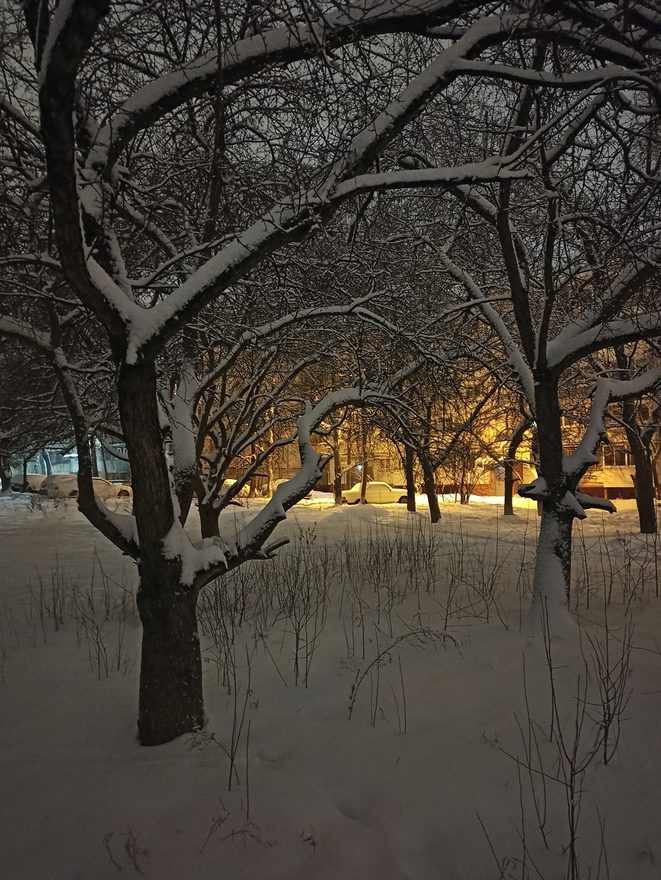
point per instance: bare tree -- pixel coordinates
(84, 134)
(640, 419)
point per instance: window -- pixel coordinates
(616, 456)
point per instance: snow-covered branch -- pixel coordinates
(576, 342)
(290, 42)
(256, 335)
(605, 391)
(26, 332)
(118, 528)
(491, 315)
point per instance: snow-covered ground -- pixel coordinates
(369, 695)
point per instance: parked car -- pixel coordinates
(120, 488)
(244, 491)
(33, 482)
(66, 486)
(375, 493)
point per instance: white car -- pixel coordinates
(33, 482)
(66, 486)
(375, 493)
(244, 491)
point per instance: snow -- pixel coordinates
(121, 519)
(604, 391)
(291, 40)
(475, 172)
(195, 557)
(576, 339)
(22, 330)
(58, 22)
(316, 795)
(178, 412)
(146, 325)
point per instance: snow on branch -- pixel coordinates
(292, 41)
(491, 315)
(581, 79)
(203, 560)
(605, 391)
(179, 413)
(43, 259)
(619, 293)
(285, 221)
(22, 330)
(591, 502)
(252, 537)
(576, 465)
(576, 341)
(646, 383)
(71, 31)
(11, 110)
(488, 171)
(61, 18)
(264, 331)
(196, 558)
(575, 503)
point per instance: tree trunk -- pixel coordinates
(171, 698)
(428, 475)
(45, 457)
(269, 468)
(465, 487)
(508, 477)
(363, 474)
(104, 461)
(644, 473)
(5, 475)
(209, 515)
(252, 482)
(409, 460)
(645, 492)
(552, 577)
(430, 487)
(94, 459)
(512, 449)
(337, 469)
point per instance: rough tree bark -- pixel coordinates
(5, 474)
(409, 460)
(95, 461)
(428, 475)
(640, 452)
(171, 698)
(515, 441)
(430, 486)
(209, 526)
(364, 478)
(337, 469)
(552, 577)
(644, 474)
